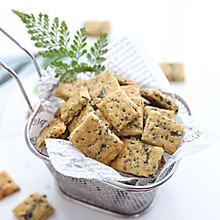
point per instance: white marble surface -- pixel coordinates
(185, 31)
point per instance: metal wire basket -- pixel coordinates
(113, 197)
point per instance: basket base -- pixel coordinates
(99, 209)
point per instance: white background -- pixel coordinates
(173, 30)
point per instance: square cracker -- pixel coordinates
(79, 118)
(163, 132)
(34, 207)
(138, 158)
(66, 90)
(83, 113)
(54, 129)
(74, 104)
(96, 140)
(118, 109)
(165, 112)
(158, 99)
(132, 90)
(135, 127)
(124, 81)
(96, 28)
(102, 84)
(7, 185)
(174, 71)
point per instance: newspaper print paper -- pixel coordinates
(127, 58)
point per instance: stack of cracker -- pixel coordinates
(107, 118)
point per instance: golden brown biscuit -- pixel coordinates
(165, 112)
(66, 90)
(96, 28)
(102, 85)
(158, 99)
(118, 109)
(74, 104)
(54, 129)
(96, 140)
(136, 126)
(7, 185)
(132, 90)
(138, 158)
(162, 131)
(174, 71)
(79, 118)
(124, 81)
(35, 207)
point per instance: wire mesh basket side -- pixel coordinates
(102, 195)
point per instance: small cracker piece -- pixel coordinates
(165, 112)
(174, 71)
(66, 90)
(74, 104)
(96, 140)
(102, 85)
(34, 207)
(65, 135)
(57, 113)
(7, 185)
(135, 127)
(158, 99)
(79, 118)
(138, 158)
(162, 163)
(163, 132)
(124, 81)
(118, 109)
(53, 130)
(96, 28)
(132, 90)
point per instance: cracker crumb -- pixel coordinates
(48, 186)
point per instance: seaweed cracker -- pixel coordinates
(96, 28)
(132, 90)
(96, 140)
(54, 129)
(124, 81)
(162, 131)
(34, 207)
(165, 112)
(118, 109)
(74, 104)
(174, 71)
(158, 99)
(66, 89)
(7, 185)
(138, 158)
(102, 85)
(134, 127)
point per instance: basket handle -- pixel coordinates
(13, 74)
(25, 50)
